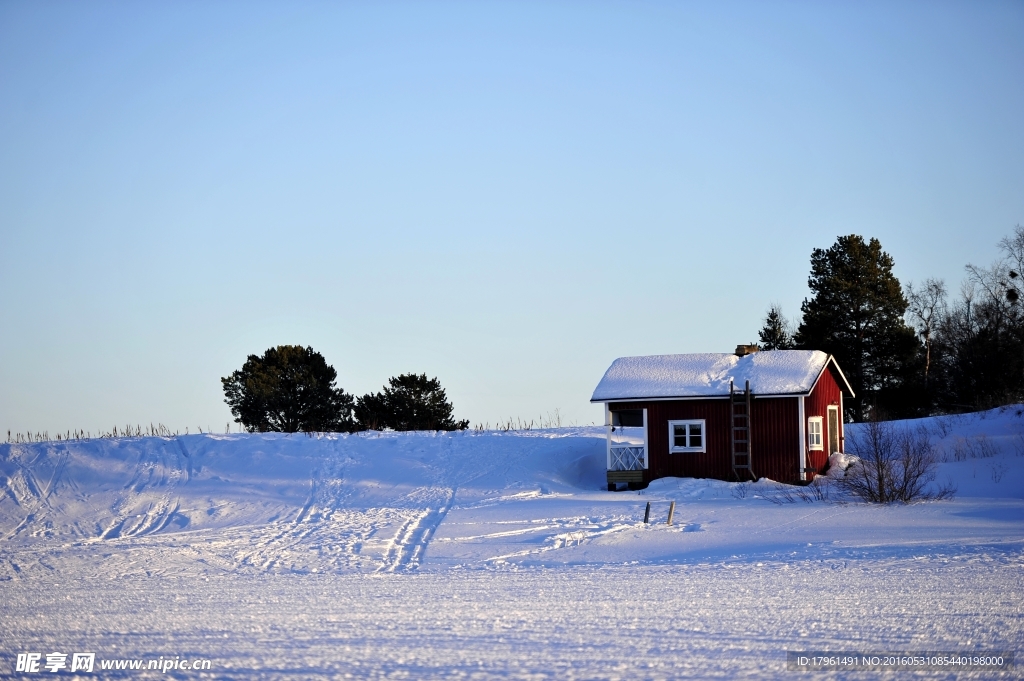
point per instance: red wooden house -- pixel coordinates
(741, 416)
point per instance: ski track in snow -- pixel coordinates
(156, 471)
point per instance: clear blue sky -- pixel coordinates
(505, 195)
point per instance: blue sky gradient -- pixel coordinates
(505, 195)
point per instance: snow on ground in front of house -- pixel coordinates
(491, 554)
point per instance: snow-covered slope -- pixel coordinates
(391, 501)
(273, 502)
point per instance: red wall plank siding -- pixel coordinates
(825, 393)
(775, 438)
(775, 441)
(713, 463)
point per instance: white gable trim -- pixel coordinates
(832, 360)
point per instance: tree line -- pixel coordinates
(292, 389)
(911, 350)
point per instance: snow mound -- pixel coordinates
(838, 462)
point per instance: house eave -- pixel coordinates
(690, 398)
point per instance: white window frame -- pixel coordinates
(672, 449)
(815, 434)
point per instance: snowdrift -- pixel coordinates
(110, 488)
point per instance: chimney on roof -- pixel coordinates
(742, 350)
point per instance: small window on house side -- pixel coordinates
(685, 436)
(814, 433)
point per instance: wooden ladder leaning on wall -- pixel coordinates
(739, 422)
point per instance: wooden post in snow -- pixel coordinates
(671, 512)
(647, 513)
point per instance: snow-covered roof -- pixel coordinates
(773, 372)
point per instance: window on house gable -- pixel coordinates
(686, 436)
(814, 433)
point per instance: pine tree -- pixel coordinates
(775, 334)
(408, 402)
(856, 314)
(288, 389)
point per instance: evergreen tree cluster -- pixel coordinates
(292, 389)
(907, 351)
(287, 390)
(409, 402)
(856, 314)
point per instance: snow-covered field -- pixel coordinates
(475, 555)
